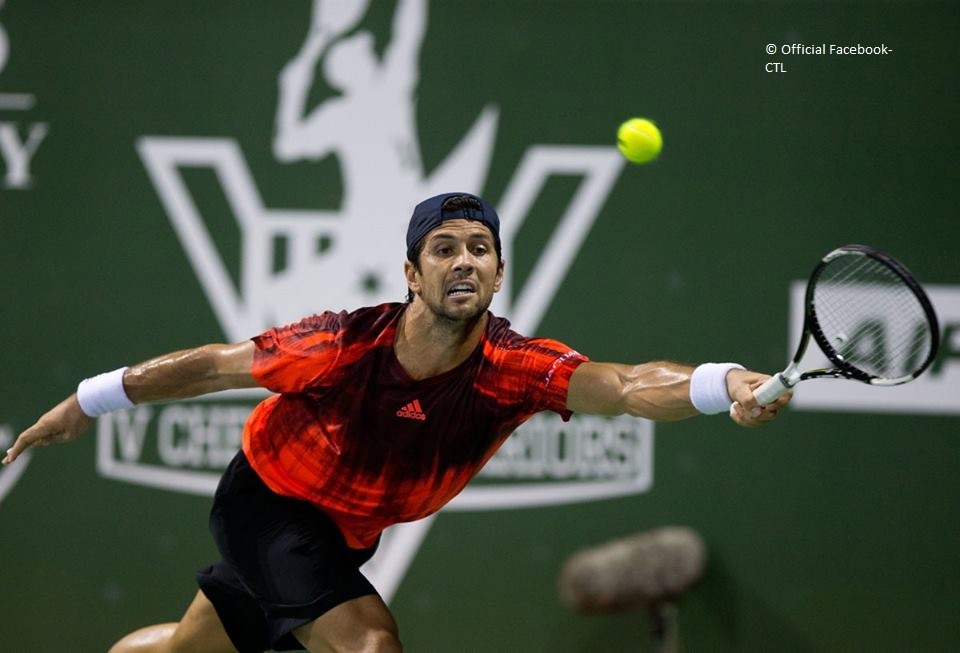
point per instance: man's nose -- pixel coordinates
(464, 259)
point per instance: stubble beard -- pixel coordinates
(449, 321)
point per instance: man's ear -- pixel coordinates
(413, 277)
(499, 280)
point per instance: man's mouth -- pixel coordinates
(459, 289)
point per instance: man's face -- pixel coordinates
(459, 270)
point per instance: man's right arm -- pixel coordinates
(177, 375)
(191, 372)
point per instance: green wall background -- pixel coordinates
(827, 531)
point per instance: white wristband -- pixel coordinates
(103, 393)
(708, 387)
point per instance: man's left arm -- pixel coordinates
(661, 390)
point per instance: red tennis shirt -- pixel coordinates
(353, 434)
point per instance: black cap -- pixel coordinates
(431, 212)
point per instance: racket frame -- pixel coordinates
(781, 382)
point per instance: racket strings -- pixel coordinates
(870, 317)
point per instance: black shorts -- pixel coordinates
(284, 564)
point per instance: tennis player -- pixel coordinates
(380, 416)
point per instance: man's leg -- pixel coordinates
(199, 631)
(363, 625)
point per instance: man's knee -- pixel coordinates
(370, 640)
(152, 639)
(381, 640)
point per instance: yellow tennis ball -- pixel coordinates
(639, 140)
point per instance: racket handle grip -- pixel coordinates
(771, 390)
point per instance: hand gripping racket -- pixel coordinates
(869, 316)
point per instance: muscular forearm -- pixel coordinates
(190, 372)
(659, 390)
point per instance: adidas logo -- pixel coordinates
(412, 411)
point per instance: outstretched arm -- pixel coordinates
(191, 372)
(661, 391)
(176, 375)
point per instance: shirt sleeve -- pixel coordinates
(295, 357)
(547, 367)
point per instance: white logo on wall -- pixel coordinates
(19, 141)
(936, 391)
(370, 127)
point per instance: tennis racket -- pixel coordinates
(870, 318)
